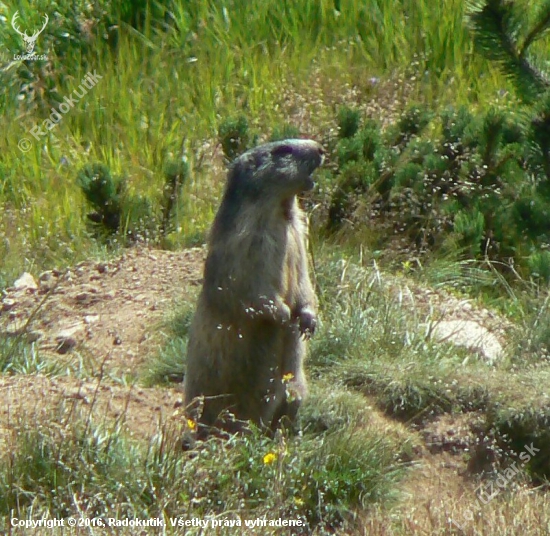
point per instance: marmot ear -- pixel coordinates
(282, 150)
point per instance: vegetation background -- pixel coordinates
(436, 118)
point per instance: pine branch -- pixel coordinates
(491, 134)
(494, 27)
(539, 29)
(540, 134)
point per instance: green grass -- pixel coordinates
(374, 340)
(163, 93)
(73, 464)
(168, 364)
(20, 357)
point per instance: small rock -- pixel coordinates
(34, 335)
(7, 304)
(84, 297)
(46, 276)
(102, 267)
(78, 395)
(47, 280)
(25, 282)
(69, 331)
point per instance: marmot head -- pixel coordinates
(276, 170)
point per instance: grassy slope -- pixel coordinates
(165, 94)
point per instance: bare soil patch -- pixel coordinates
(141, 412)
(105, 311)
(105, 315)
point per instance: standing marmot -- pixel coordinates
(257, 305)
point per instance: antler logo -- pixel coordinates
(29, 40)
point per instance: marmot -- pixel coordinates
(257, 306)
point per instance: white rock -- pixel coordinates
(7, 304)
(26, 281)
(471, 335)
(69, 330)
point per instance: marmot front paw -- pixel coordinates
(308, 323)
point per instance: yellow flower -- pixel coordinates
(407, 267)
(298, 501)
(191, 424)
(287, 377)
(270, 457)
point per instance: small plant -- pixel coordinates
(285, 132)
(539, 265)
(20, 357)
(176, 174)
(359, 159)
(117, 213)
(234, 136)
(350, 469)
(349, 121)
(502, 34)
(469, 228)
(104, 194)
(168, 365)
(411, 123)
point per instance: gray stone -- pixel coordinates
(471, 335)
(26, 281)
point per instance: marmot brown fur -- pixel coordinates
(257, 306)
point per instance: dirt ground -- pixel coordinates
(106, 317)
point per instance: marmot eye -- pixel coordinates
(282, 150)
